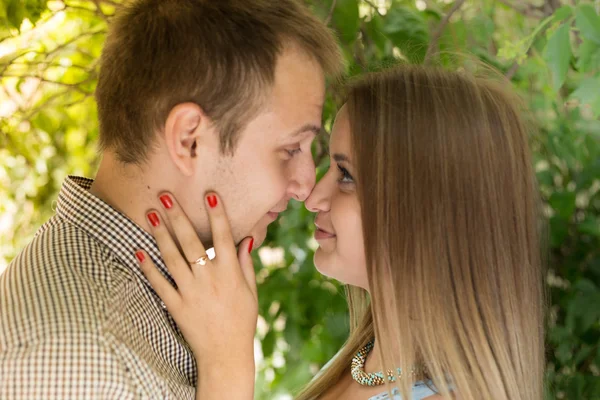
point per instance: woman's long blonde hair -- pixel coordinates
(450, 218)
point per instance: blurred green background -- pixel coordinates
(550, 49)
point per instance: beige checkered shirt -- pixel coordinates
(77, 317)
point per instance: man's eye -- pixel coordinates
(345, 175)
(294, 151)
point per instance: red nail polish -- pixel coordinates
(153, 218)
(165, 199)
(212, 201)
(251, 245)
(140, 256)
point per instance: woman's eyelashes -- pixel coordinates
(345, 176)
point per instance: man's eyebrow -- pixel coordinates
(316, 129)
(338, 157)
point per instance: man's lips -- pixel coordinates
(275, 214)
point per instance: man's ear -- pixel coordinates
(186, 125)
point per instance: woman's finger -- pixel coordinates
(182, 227)
(177, 266)
(161, 285)
(221, 230)
(247, 265)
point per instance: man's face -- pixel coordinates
(272, 162)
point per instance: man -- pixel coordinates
(193, 95)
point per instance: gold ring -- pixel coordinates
(200, 261)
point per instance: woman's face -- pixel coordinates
(339, 233)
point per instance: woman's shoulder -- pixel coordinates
(420, 391)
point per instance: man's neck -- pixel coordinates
(126, 188)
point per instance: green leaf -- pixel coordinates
(15, 13)
(346, 20)
(563, 203)
(454, 37)
(374, 30)
(546, 178)
(575, 387)
(589, 55)
(481, 29)
(559, 230)
(564, 352)
(588, 22)
(408, 31)
(591, 172)
(590, 226)
(268, 343)
(558, 55)
(34, 9)
(563, 13)
(588, 92)
(433, 14)
(584, 352)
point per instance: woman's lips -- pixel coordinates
(322, 235)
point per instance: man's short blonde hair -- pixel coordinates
(219, 54)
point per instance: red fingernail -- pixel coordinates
(165, 199)
(251, 245)
(140, 256)
(153, 218)
(212, 201)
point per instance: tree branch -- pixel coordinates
(74, 86)
(528, 11)
(72, 40)
(435, 38)
(112, 3)
(100, 12)
(512, 70)
(330, 15)
(49, 64)
(374, 6)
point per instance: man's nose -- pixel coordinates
(303, 181)
(318, 200)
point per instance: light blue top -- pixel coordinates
(420, 390)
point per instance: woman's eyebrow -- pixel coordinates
(339, 157)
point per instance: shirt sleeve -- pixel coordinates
(77, 366)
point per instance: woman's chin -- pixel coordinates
(325, 264)
(321, 262)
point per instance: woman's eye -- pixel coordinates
(293, 152)
(345, 175)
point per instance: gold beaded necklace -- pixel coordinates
(357, 369)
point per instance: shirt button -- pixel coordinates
(163, 305)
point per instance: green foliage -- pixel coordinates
(48, 129)
(588, 22)
(558, 55)
(13, 12)
(408, 31)
(346, 20)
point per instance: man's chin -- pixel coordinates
(259, 237)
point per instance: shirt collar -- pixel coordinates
(107, 225)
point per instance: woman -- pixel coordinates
(429, 213)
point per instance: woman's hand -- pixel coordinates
(215, 304)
